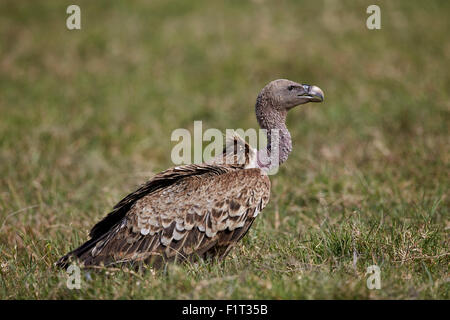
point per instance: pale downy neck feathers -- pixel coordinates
(272, 116)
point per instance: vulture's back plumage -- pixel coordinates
(182, 213)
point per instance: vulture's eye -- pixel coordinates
(290, 88)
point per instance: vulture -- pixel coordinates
(198, 211)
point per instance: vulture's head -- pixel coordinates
(272, 105)
(284, 94)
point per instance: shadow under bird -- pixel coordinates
(197, 211)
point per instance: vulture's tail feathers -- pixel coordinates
(81, 253)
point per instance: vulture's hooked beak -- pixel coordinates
(313, 93)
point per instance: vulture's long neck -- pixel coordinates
(274, 122)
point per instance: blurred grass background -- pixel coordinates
(87, 115)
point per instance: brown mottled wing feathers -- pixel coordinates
(183, 212)
(201, 215)
(160, 181)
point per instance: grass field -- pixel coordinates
(86, 116)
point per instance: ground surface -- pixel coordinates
(87, 115)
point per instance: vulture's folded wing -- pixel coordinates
(183, 212)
